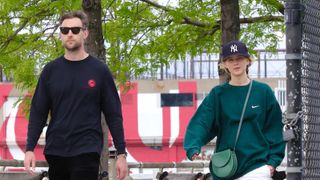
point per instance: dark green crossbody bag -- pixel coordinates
(224, 164)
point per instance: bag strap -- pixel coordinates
(242, 114)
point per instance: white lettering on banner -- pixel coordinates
(11, 141)
(234, 48)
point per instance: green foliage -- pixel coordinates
(28, 36)
(142, 37)
(263, 34)
(139, 36)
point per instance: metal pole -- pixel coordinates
(192, 67)
(175, 70)
(209, 66)
(166, 71)
(184, 68)
(293, 56)
(265, 65)
(200, 65)
(259, 64)
(161, 72)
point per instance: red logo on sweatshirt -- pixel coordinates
(92, 83)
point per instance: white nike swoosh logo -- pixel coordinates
(253, 107)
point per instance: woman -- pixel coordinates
(260, 147)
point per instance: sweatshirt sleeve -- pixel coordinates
(111, 108)
(273, 131)
(200, 129)
(40, 106)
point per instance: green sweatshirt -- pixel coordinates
(260, 141)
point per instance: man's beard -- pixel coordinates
(75, 47)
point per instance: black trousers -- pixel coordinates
(80, 167)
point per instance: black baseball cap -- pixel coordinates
(234, 48)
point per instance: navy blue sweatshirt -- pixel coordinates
(75, 93)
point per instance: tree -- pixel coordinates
(95, 46)
(140, 36)
(230, 26)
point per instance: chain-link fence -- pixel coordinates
(310, 84)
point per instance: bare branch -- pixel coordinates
(216, 27)
(188, 20)
(154, 4)
(261, 19)
(213, 30)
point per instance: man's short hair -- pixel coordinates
(75, 14)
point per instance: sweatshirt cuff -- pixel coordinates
(272, 163)
(121, 149)
(29, 149)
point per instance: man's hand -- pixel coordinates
(30, 158)
(122, 167)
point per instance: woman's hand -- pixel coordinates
(271, 169)
(196, 157)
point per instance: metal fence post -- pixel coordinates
(293, 14)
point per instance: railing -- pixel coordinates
(193, 166)
(205, 66)
(19, 163)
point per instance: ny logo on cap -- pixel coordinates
(234, 48)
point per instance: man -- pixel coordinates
(75, 88)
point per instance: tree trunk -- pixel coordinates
(230, 26)
(95, 46)
(95, 42)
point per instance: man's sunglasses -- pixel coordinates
(74, 30)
